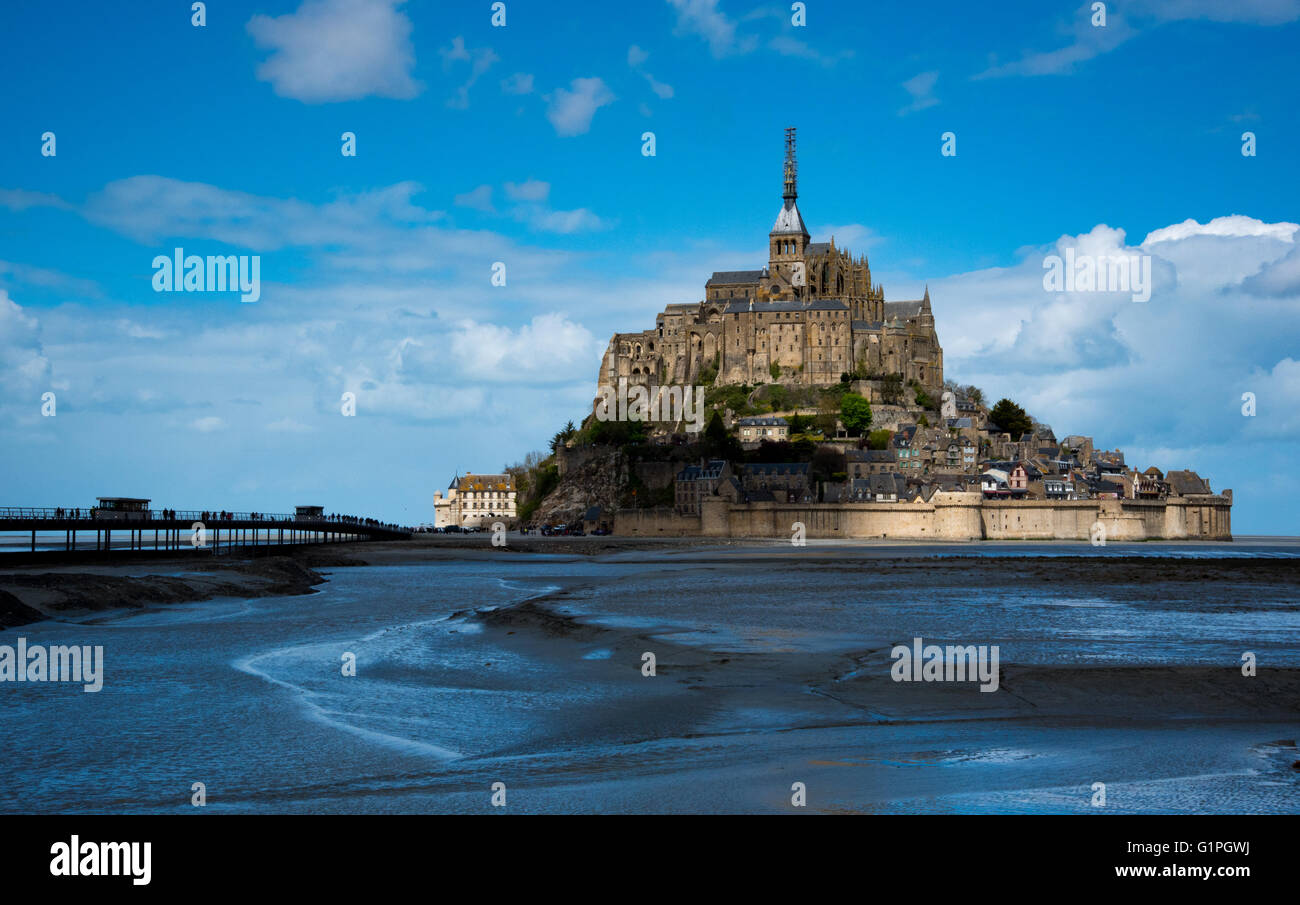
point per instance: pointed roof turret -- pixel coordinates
(789, 221)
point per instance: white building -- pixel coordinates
(474, 500)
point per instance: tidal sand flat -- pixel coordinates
(771, 667)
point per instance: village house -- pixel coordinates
(754, 430)
(788, 482)
(879, 488)
(695, 482)
(865, 462)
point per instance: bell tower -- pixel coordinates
(788, 240)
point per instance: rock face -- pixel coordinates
(589, 476)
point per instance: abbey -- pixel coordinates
(813, 313)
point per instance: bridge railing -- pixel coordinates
(92, 514)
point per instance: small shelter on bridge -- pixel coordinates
(122, 508)
(308, 513)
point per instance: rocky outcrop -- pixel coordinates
(589, 476)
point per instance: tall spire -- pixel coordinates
(791, 167)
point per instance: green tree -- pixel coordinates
(718, 443)
(1011, 418)
(855, 412)
(923, 399)
(892, 389)
(880, 439)
(775, 371)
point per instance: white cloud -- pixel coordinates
(549, 344)
(22, 199)
(572, 221)
(1254, 12)
(208, 424)
(571, 110)
(1162, 379)
(519, 83)
(636, 58)
(793, 47)
(1235, 225)
(1124, 23)
(479, 199)
(851, 236)
(338, 50)
(288, 425)
(1280, 278)
(24, 368)
(921, 89)
(151, 209)
(703, 18)
(531, 190)
(480, 60)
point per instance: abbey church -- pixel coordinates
(813, 312)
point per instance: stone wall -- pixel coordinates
(948, 517)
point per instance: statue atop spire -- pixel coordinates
(791, 167)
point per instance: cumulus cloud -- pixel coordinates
(338, 50)
(548, 344)
(1235, 225)
(571, 110)
(1164, 378)
(24, 368)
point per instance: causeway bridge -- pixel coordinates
(71, 528)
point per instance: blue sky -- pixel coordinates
(522, 144)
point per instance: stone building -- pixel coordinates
(474, 500)
(809, 316)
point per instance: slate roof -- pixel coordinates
(871, 455)
(789, 221)
(881, 484)
(902, 310)
(743, 305)
(776, 468)
(726, 277)
(1187, 482)
(696, 472)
